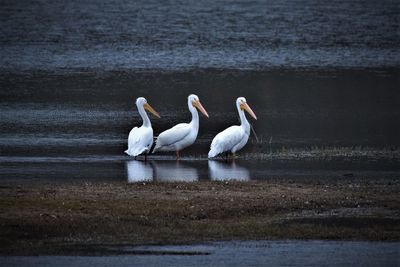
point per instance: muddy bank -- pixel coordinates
(86, 218)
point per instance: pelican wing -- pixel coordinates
(173, 135)
(134, 136)
(225, 140)
(138, 141)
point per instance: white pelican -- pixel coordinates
(183, 134)
(235, 137)
(140, 139)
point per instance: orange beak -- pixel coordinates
(200, 107)
(246, 107)
(149, 108)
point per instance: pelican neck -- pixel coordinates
(195, 114)
(243, 120)
(145, 117)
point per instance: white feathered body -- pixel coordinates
(140, 140)
(231, 139)
(177, 138)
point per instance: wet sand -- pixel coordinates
(90, 218)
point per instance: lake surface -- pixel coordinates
(248, 253)
(118, 35)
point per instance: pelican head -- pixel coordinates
(141, 101)
(195, 102)
(242, 105)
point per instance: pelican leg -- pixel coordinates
(145, 157)
(177, 155)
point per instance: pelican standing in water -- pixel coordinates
(235, 137)
(183, 134)
(140, 139)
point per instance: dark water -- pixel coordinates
(75, 126)
(118, 168)
(258, 34)
(253, 253)
(318, 74)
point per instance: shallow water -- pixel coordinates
(249, 253)
(161, 169)
(75, 126)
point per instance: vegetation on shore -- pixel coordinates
(78, 218)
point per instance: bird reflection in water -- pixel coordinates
(138, 171)
(227, 171)
(174, 172)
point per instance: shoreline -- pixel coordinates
(89, 218)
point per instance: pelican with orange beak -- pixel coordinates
(235, 137)
(182, 135)
(140, 139)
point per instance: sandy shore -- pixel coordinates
(85, 219)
